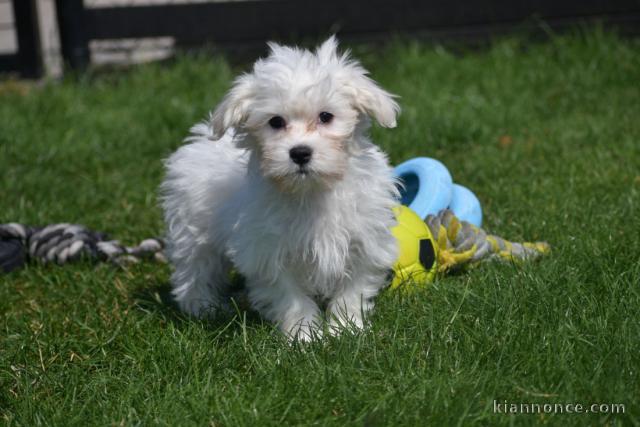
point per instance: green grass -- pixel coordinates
(546, 134)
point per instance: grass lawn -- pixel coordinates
(546, 134)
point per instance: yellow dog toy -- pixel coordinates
(442, 242)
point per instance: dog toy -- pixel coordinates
(441, 243)
(427, 188)
(444, 242)
(61, 243)
(442, 234)
(438, 227)
(459, 243)
(417, 261)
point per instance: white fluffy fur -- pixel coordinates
(303, 237)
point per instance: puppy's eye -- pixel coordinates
(325, 117)
(277, 122)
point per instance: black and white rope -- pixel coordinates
(62, 243)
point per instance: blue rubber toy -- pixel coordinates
(428, 188)
(466, 205)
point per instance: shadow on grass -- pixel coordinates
(158, 299)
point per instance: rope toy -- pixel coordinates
(61, 243)
(460, 243)
(440, 244)
(443, 242)
(438, 230)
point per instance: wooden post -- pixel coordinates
(26, 26)
(73, 36)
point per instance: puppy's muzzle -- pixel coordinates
(301, 154)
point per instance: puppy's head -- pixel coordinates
(302, 111)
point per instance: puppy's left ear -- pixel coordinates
(232, 111)
(367, 96)
(371, 99)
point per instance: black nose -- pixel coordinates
(301, 154)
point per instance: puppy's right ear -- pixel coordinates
(232, 111)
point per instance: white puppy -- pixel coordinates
(283, 185)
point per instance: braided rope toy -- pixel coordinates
(443, 235)
(460, 243)
(442, 244)
(61, 243)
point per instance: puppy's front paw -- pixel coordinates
(340, 323)
(199, 308)
(303, 330)
(345, 316)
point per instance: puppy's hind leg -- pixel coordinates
(200, 281)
